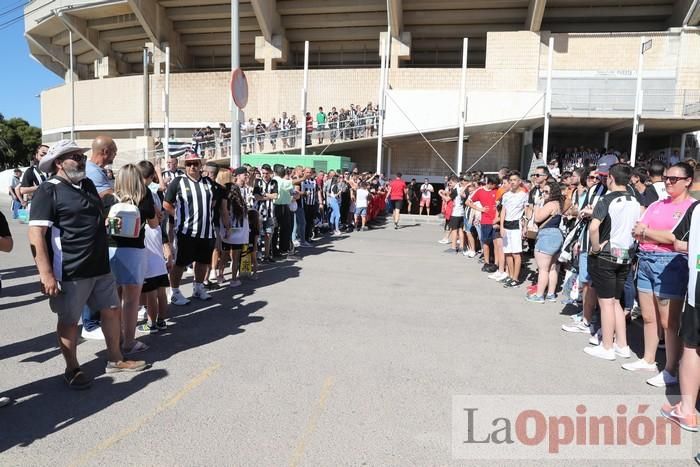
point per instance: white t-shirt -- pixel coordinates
(660, 188)
(514, 204)
(239, 232)
(153, 241)
(458, 208)
(361, 198)
(426, 189)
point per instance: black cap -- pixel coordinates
(240, 171)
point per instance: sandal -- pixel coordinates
(136, 348)
(76, 379)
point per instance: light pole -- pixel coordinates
(638, 96)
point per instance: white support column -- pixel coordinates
(166, 105)
(548, 102)
(462, 107)
(235, 153)
(637, 104)
(304, 98)
(388, 163)
(72, 85)
(384, 71)
(606, 139)
(682, 153)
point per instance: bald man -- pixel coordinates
(104, 150)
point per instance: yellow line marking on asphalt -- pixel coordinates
(168, 403)
(313, 422)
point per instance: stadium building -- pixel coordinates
(594, 67)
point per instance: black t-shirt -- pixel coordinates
(4, 227)
(76, 235)
(147, 210)
(618, 212)
(32, 177)
(218, 193)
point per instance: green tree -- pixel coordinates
(18, 142)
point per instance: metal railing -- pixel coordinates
(601, 102)
(288, 139)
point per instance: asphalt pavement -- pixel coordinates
(348, 355)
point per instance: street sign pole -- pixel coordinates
(235, 153)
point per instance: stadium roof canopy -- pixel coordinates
(343, 33)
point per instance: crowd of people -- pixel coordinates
(108, 248)
(616, 242)
(325, 127)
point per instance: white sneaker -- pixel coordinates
(623, 352)
(640, 365)
(178, 299)
(579, 326)
(495, 275)
(471, 254)
(95, 334)
(235, 283)
(663, 379)
(142, 313)
(5, 401)
(212, 275)
(201, 293)
(600, 352)
(444, 241)
(296, 243)
(596, 339)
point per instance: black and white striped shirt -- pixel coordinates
(247, 194)
(170, 175)
(193, 201)
(311, 192)
(265, 207)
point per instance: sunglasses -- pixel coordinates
(592, 177)
(674, 180)
(75, 157)
(538, 175)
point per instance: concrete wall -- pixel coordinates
(413, 157)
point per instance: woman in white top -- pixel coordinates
(159, 260)
(361, 202)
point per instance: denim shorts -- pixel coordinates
(487, 233)
(360, 211)
(663, 274)
(583, 276)
(549, 241)
(128, 265)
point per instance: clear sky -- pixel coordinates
(23, 78)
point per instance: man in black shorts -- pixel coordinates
(189, 199)
(612, 243)
(688, 239)
(68, 239)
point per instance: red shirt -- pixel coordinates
(487, 198)
(396, 189)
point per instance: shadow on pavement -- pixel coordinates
(49, 406)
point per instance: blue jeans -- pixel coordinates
(389, 207)
(335, 212)
(91, 320)
(16, 206)
(299, 224)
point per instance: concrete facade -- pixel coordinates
(515, 61)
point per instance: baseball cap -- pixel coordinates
(240, 171)
(605, 162)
